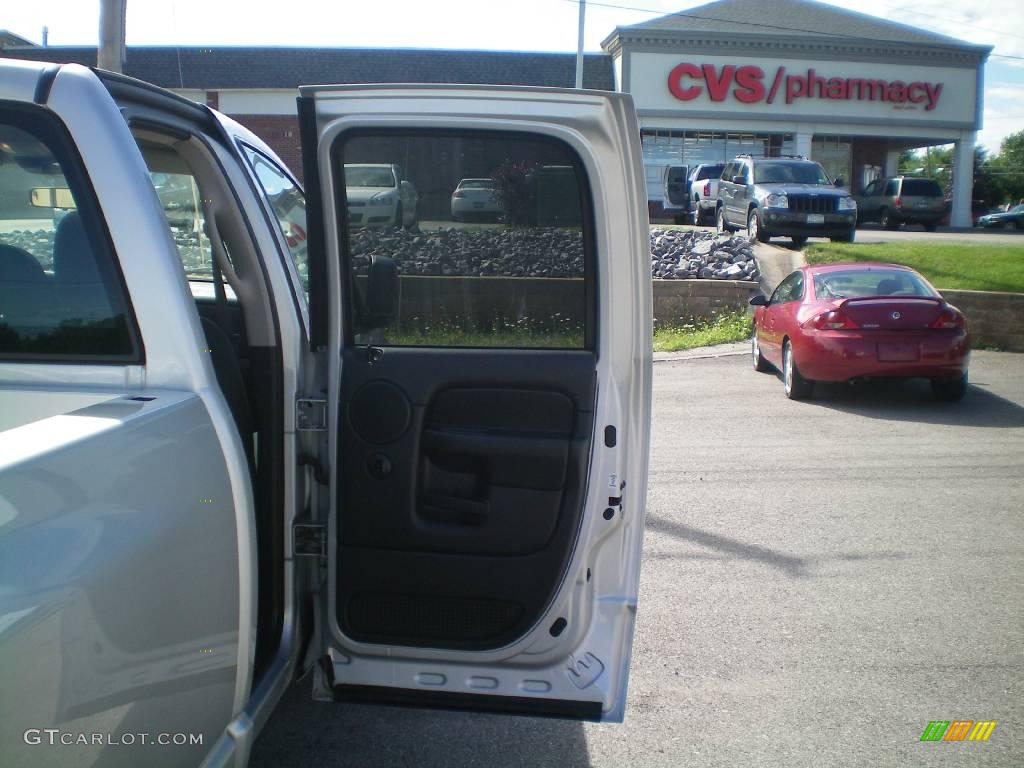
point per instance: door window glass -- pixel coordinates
(289, 205)
(496, 264)
(60, 293)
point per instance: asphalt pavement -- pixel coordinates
(821, 579)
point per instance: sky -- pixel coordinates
(527, 25)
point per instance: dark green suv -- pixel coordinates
(788, 196)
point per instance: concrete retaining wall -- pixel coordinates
(679, 302)
(484, 301)
(994, 319)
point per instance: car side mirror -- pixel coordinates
(739, 179)
(840, 182)
(383, 291)
(759, 300)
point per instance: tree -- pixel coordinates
(1007, 168)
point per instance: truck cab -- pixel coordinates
(234, 449)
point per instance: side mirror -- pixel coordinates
(739, 180)
(839, 181)
(383, 290)
(759, 300)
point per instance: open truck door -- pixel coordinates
(487, 410)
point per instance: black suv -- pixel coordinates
(788, 196)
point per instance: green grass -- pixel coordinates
(963, 266)
(725, 329)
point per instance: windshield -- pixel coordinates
(790, 173)
(876, 282)
(369, 176)
(476, 184)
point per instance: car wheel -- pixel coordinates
(931, 227)
(886, 220)
(754, 229)
(697, 216)
(799, 241)
(847, 238)
(950, 390)
(760, 364)
(797, 387)
(720, 223)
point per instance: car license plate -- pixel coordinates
(898, 353)
(815, 218)
(922, 205)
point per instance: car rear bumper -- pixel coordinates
(845, 355)
(919, 217)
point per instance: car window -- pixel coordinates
(522, 281)
(890, 188)
(476, 184)
(288, 204)
(790, 173)
(182, 201)
(790, 289)
(369, 176)
(728, 172)
(61, 296)
(872, 188)
(709, 172)
(921, 188)
(850, 284)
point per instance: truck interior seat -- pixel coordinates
(77, 278)
(24, 286)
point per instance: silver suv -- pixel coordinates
(788, 196)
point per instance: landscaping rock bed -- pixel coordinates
(696, 254)
(500, 252)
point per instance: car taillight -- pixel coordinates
(899, 202)
(458, 193)
(707, 189)
(949, 318)
(834, 320)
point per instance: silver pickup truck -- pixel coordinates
(232, 452)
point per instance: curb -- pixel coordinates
(733, 349)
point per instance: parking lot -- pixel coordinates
(821, 580)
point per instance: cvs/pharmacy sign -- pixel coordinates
(749, 84)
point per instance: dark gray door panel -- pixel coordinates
(456, 517)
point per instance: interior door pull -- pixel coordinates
(373, 354)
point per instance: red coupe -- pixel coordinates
(848, 322)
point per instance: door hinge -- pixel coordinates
(309, 539)
(310, 415)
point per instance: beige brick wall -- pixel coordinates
(994, 319)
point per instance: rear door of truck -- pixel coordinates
(488, 406)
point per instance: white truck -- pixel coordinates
(212, 483)
(703, 182)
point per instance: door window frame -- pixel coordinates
(43, 125)
(590, 276)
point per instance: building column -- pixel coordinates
(892, 162)
(963, 179)
(802, 144)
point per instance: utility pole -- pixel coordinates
(579, 46)
(111, 50)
